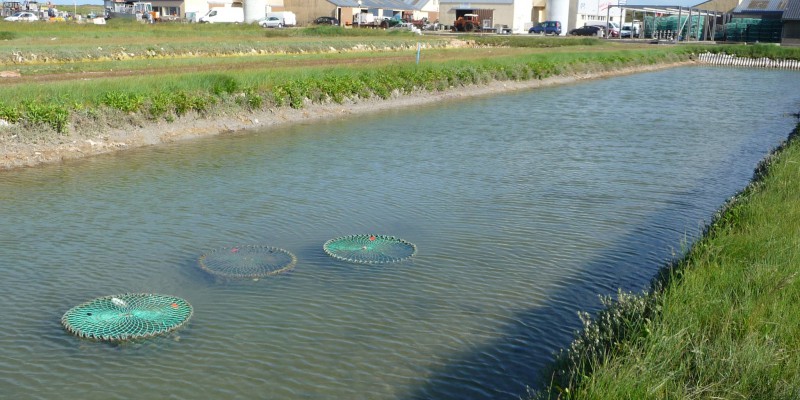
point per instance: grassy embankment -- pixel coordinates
(77, 79)
(81, 79)
(722, 323)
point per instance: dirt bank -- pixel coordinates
(15, 154)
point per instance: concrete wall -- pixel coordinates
(521, 17)
(254, 10)
(308, 10)
(559, 10)
(791, 33)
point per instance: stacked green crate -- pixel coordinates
(649, 26)
(768, 31)
(690, 29)
(754, 30)
(735, 31)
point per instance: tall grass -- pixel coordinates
(108, 50)
(535, 41)
(146, 95)
(38, 43)
(721, 323)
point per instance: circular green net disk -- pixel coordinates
(127, 316)
(247, 261)
(369, 249)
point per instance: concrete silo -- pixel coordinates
(558, 10)
(254, 10)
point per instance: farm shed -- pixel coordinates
(791, 24)
(514, 14)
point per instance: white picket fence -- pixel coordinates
(733, 61)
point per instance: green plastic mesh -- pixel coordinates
(247, 261)
(369, 249)
(127, 316)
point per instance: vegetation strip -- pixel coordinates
(52, 105)
(719, 323)
(164, 85)
(236, 72)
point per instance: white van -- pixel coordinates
(285, 18)
(224, 14)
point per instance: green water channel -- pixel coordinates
(524, 208)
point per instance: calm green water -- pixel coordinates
(524, 208)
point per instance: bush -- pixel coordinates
(127, 102)
(223, 84)
(10, 114)
(53, 115)
(160, 104)
(629, 316)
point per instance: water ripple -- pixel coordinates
(519, 224)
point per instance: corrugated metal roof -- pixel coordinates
(382, 4)
(760, 7)
(416, 4)
(792, 11)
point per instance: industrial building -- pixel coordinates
(768, 21)
(791, 24)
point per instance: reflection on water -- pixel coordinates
(524, 208)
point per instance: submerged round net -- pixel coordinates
(127, 316)
(247, 261)
(369, 249)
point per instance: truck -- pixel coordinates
(364, 19)
(223, 14)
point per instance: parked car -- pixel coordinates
(285, 18)
(546, 27)
(629, 30)
(611, 28)
(22, 16)
(589, 30)
(613, 31)
(271, 22)
(326, 21)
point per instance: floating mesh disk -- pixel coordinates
(247, 261)
(369, 249)
(127, 316)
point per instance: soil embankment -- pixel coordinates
(15, 154)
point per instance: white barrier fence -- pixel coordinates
(733, 61)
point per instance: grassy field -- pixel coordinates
(721, 323)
